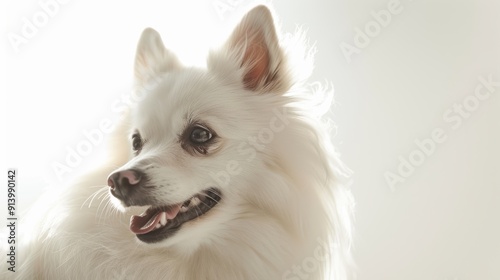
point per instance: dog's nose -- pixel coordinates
(124, 179)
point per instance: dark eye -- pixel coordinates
(200, 135)
(136, 142)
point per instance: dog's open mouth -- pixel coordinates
(158, 223)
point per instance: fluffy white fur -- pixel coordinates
(285, 215)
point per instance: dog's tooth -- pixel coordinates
(195, 201)
(183, 209)
(163, 218)
(158, 225)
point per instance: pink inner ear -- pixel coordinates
(256, 61)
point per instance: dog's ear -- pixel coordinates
(255, 48)
(152, 57)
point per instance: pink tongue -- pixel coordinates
(147, 221)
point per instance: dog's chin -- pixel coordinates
(160, 222)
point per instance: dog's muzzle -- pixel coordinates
(160, 220)
(123, 183)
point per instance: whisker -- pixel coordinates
(100, 210)
(201, 201)
(196, 208)
(213, 192)
(93, 196)
(207, 196)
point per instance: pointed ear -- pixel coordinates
(152, 57)
(255, 48)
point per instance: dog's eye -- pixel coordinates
(200, 135)
(198, 139)
(136, 142)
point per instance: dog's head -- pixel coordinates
(199, 137)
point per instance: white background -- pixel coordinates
(441, 223)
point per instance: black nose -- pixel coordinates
(122, 183)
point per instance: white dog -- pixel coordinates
(233, 173)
